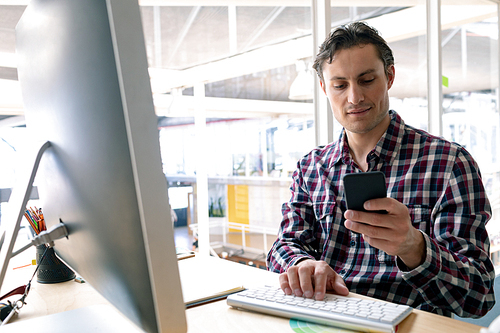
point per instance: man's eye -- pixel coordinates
(338, 86)
(368, 81)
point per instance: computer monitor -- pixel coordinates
(84, 78)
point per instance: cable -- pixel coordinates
(14, 309)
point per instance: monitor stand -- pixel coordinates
(18, 200)
(9, 229)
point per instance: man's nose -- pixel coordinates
(355, 94)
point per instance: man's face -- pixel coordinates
(357, 88)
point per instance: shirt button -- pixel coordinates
(342, 272)
(353, 243)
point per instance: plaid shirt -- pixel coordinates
(440, 184)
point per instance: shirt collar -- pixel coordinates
(387, 147)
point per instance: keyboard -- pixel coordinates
(340, 311)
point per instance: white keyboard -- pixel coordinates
(340, 311)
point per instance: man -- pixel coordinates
(431, 251)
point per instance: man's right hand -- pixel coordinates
(312, 278)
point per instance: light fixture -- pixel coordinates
(302, 87)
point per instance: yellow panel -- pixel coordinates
(237, 205)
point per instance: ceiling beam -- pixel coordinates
(13, 121)
(185, 29)
(10, 97)
(263, 26)
(8, 73)
(254, 61)
(184, 106)
(11, 110)
(8, 59)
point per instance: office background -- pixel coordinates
(238, 103)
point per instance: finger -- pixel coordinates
(377, 204)
(380, 226)
(285, 286)
(320, 280)
(356, 215)
(365, 218)
(305, 276)
(360, 228)
(294, 280)
(339, 286)
(386, 205)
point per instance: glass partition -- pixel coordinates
(470, 92)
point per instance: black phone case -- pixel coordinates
(363, 186)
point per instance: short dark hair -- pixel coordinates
(347, 36)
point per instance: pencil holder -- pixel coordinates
(51, 269)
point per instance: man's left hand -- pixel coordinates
(392, 233)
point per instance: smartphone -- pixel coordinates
(363, 186)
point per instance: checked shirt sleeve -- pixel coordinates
(295, 235)
(458, 275)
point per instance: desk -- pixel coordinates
(212, 317)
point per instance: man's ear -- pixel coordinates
(391, 74)
(322, 84)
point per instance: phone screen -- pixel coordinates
(363, 186)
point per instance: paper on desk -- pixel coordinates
(207, 279)
(183, 253)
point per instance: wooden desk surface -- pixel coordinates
(45, 299)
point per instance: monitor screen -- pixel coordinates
(84, 78)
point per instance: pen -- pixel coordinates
(42, 220)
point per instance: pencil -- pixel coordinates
(33, 219)
(31, 223)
